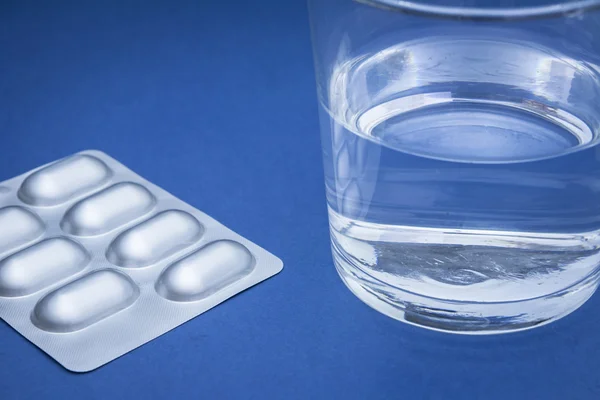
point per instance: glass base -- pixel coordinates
(460, 316)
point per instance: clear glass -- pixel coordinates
(462, 167)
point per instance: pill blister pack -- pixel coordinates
(96, 261)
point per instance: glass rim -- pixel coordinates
(502, 13)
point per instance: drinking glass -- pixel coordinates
(460, 146)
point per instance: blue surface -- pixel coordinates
(216, 103)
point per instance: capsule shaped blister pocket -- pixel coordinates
(96, 261)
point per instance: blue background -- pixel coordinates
(215, 102)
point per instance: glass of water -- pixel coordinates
(462, 167)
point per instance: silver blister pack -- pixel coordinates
(96, 261)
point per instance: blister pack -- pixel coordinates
(96, 261)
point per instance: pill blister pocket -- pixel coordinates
(96, 261)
